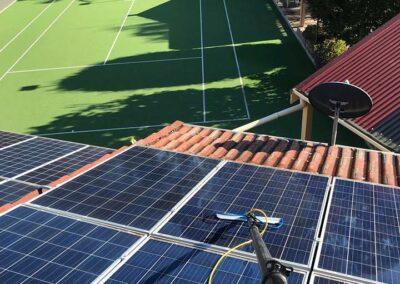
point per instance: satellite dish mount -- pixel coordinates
(340, 100)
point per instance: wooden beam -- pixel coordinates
(306, 122)
(293, 97)
(302, 13)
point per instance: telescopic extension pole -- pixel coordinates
(273, 272)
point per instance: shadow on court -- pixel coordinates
(123, 74)
(178, 21)
(158, 108)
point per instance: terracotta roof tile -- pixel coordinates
(318, 158)
(266, 150)
(304, 157)
(352, 163)
(331, 163)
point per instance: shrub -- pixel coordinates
(330, 49)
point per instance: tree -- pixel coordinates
(351, 20)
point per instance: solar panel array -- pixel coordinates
(136, 188)
(161, 262)
(141, 186)
(28, 155)
(295, 197)
(362, 233)
(51, 172)
(11, 191)
(39, 246)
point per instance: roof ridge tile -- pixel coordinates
(341, 161)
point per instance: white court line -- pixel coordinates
(237, 61)
(202, 61)
(119, 32)
(8, 6)
(27, 26)
(102, 65)
(137, 127)
(37, 39)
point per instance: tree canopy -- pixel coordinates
(351, 20)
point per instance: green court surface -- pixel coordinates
(99, 71)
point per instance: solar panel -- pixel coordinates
(296, 197)
(8, 138)
(38, 246)
(361, 236)
(11, 191)
(135, 188)
(161, 262)
(64, 166)
(30, 154)
(317, 279)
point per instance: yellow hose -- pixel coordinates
(210, 278)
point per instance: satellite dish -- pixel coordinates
(340, 100)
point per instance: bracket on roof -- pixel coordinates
(340, 100)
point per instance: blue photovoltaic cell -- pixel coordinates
(327, 280)
(30, 154)
(11, 191)
(160, 262)
(7, 138)
(362, 236)
(236, 188)
(64, 166)
(135, 188)
(37, 246)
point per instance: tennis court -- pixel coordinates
(97, 71)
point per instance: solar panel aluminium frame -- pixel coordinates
(329, 277)
(37, 186)
(161, 222)
(142, 238)
(194, 245)
(308, 266)
(19, 142)
(333, 274)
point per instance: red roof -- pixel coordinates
(352, 163)
(372, 64)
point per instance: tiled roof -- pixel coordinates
(346, 162)
(372, 64)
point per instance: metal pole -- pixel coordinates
(335, 124)
(273, 272)
(270, 117)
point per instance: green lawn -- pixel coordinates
(100, 71)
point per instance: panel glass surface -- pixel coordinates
(160, 262)
(362, 236)
(30, 154)
(327, 280)
(11, 191)
(65, 166)
(236, 188)
(7, 138)
(36, 246)
(136, 188)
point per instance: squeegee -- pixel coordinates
(273, 223)
(273, 271)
